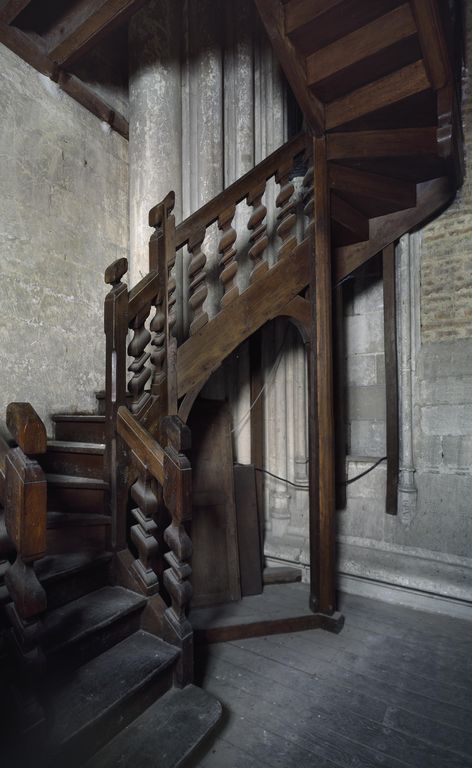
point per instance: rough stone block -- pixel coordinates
(361, 370)
(457, 451)
(367, 438)
(365, 333)
(450, 390)
(446, 420)
(366, 403)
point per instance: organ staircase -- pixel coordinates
(95, 589)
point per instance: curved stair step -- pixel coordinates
(76, 531)
(80, 427)
(76, 494)
(73, 458)
(166, 734)
(85, 627)
(68, 576)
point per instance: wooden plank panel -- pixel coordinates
(372, 185)
(247, 516)
(431, 196)
(374, 37)
(391, 378)
(273, 20)
(84, 24)
(215, 562)
(432, 41)
(381, 93)
(401, 142)
(350, 218)
(10, 9)
(300, 12)
(203, 352)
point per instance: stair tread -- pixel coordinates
(81, 617)
(71, 519)
(78, 417)
(69, 446)
(109, 679)
(165, 734)
(72, 481)
(54, 567)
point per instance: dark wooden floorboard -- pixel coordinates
(393, 689)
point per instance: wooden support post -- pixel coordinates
(391, 379)
(257, 426)
(339, 409)
(115, 461)
(321, 420)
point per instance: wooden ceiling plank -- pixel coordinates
(372, 185)
(300, 12)
(381, 93)
(432, 41)
(401, 142)
(10, 9)
(271, 14)
(432, 196)
(350, 218)
(387, 30)
(84, 25)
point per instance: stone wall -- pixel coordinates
(425, 550)
(64, 217)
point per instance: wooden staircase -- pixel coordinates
(101, 582)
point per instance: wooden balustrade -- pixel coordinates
(222, 209)
(24, 495)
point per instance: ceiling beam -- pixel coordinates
(10, 9)
(24, 47)
(83, 26)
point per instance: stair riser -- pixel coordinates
(71, 587)
(82, 432)
(90, 500)
(81, 650)
(83, 745)
(75, 464)
(81, 538)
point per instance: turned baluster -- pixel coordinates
(258, 238)
(197, 288)
(139, 368)
(308, 198)
(178, 499)
(228, 263)
(143, 492)
(286, 217)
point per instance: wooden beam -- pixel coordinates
(339, 399)
(320, 401)
(272, 16)
(381, 93)
(431, 197)
(10, 9)
(401, 142)
(24, 47)
(350, 218)
(300, 12)
(141, 443)
(83, 25)
(265, 299)
(372, 185)
(391, 28)
(432, 42)
(391, 378)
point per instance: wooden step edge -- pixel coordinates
(80, 417)
(68, 446)
(81, 483)
(136, 606)
(75, 519)
(62, 565)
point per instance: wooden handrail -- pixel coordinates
(26, 428)
(142, 294)
(236, 192)
(141, 443)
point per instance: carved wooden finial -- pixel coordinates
(163, 209)
(178, 434)
(115, 271)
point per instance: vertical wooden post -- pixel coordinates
(321, 420)
(339, 409)
(257, 426)
(115, 460)
(391, 379)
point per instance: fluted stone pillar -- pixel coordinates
(155, 143)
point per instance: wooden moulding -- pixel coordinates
(24, 47)
(26, 428)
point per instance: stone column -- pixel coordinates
(155, 144)
(407, 491)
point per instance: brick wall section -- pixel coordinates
(446, 264)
